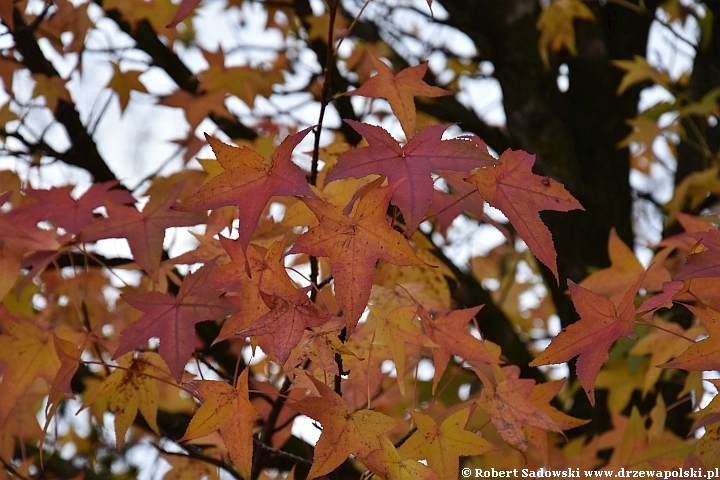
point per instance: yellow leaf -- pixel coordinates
(556, 25)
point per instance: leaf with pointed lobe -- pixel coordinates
(410, 165)
(344, 432)
(449, 332)
(705, 354)
(442, 445)
(704, 259)
(229, 410)
(198, 106)
(589, 339)
(57, 205)
(520, 194)
(27, 352)
(354, 243)
(144, 231)
(396, 328)
(184, 9)
(248, 182)
(286, 321)
(399, 90)
(510, 408)
(122, 83)
(389, 465)
(173, 320)
(130, 389)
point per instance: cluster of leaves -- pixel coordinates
(342, 300)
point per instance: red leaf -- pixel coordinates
(172, 320)
(411, 164)
(248, 182)
(520, 195)
(286, 321)
(590, 337)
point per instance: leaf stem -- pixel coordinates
(460, 199)
(666, 330)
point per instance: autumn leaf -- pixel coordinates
(286, 321)
(705, 354)
(399, 90)
(172, 320)
(354, 243)
(229, 410)
(449, 331)
(344, 432)
(28, 353)
(443, 445)
(57, 205)
(249, 183)
(639, 70)
(590, 337)
(520, 194)
(623, 272)
(20, 237)
(123, 83)
(144, 231)
(395, 329)
(510, 409)
(557, 29)
(388, 464)
(184, 9)
(131, 388)
(705, 260)
(411, 164)
(267, 275)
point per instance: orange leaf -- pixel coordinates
(395, 329)
(450, 332)
(28, 353)
(344, 432)
(248, 182)
(590, 337)
(510, 408)
(520, 195)
(399, 90)
(354, 243)
(229, 410)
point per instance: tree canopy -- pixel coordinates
(355, 239)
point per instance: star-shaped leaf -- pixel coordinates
(395, 329)
(590, 337)
(144, 231)
(229, 410)
(411, 164)
(172, 320)
(28, 353)
(286, 321)
(443, 445)
(399, 90)
(344, 432)
(249, 183)
(132, 388)
(354, 243)
(520, 195)
(449, 332)
(57, 205)
(510, 409)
